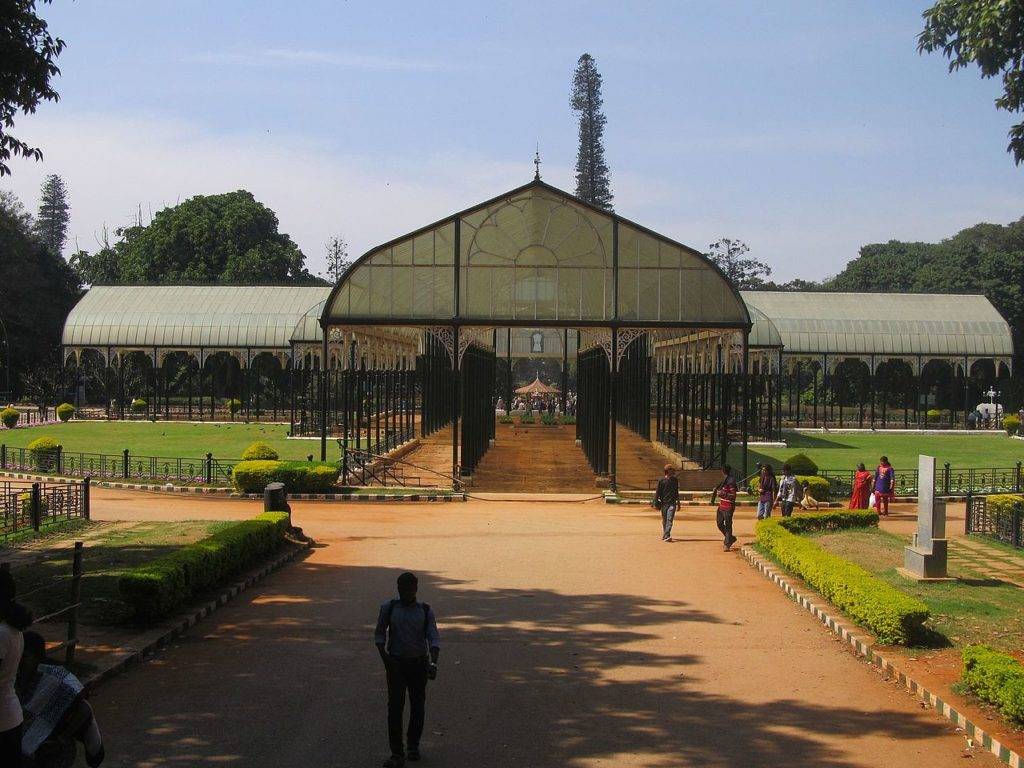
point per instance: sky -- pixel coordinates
(806, 128)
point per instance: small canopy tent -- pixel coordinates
(537, 387)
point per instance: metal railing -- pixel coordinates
(124, 466)
(38, 506)
(949, 480)
(1005, 525)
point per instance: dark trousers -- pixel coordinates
(10, 747)
(411, 675)
(787, 508)
(724, 520)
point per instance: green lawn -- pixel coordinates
(164, 438)
(976, 609)
(110, 550)
(844, 451)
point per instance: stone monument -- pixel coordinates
(925, 558)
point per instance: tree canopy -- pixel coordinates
(989, 33)
(731, 257)
(229, 238)
(51, 225)
(37, 290)
(30, 53)
(593, 182)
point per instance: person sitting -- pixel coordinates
(56, 711)
(806, 500)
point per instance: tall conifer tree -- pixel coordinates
(51, 225)
(593, 183)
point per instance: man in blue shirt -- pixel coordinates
(409, 644)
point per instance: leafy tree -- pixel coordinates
(51, 225)
(29, 56)
(743, 272)
(796, 284)
(229, 238)
(989, 33)
(37, 290)
(338, 261)
(593, 182)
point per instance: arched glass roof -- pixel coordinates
(535, 255)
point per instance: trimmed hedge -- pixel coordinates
(155, 589)
(234, 406)
(1004, 503)
(996, 678)
(259, 451)
(893, 616)
(832, 520)
(44, 451)
(138, 405)
(819, 487)
(802, 464)
(1011, 424)
(297, 476)
(9, 417)
(65, 411)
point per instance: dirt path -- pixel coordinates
(572, 637)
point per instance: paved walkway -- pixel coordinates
(572, 637)
(991, 561)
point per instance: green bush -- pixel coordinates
(260, 451)
(893, 616)
(996, 678)
(566, 419)
(526, 417)
(297, 476)
(139, 405)
(1011, 424)
(26, 504)
(819, 487)
(44, 452)
(9, 417)
(505, 420)
(153, 590)
(832, 520)
(548, 419)
(933, 414)
(802, 464)
(234, 406)
(65, 411)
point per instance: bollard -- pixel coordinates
(209, 468)
(967, 511)
(125, 464)
(35, 508)
(275, 499)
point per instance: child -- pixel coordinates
(806, 500)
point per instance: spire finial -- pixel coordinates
(536, 164)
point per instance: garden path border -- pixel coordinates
(864, 648)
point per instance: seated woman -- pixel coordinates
(56, 711)
(806, 500)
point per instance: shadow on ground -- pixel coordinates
(528, 678)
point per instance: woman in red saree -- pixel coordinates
(861, 488)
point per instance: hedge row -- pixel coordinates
(1004, 503)
(155, 589)
(832, 520)
(894, 617)
(996, 678)
(1011, 424)
(818, 486)
(297, 476)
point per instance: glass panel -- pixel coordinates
(648, 296)
(669, 294)
(627, 294)
(402, 253)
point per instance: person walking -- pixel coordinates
(14, 619)
(409, 645)
(861, 488)
(788, 491)
(885, 483)
(666, 499)
(769, 487)
(725, 491)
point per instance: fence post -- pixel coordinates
(209, 468)
(967, 511)
(60, 459)
(1016, 479)
(945, 480)
(125, 464)
(3, 456)
(34, 503)
(86, 483)
(76, 596)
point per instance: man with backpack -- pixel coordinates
(409, 644)
(726, 491)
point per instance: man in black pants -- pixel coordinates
(409, 644)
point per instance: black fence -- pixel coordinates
(38, 506)
(949, 480)
(121, 466)
(1005, 525)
